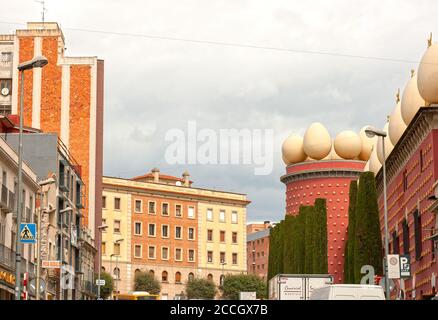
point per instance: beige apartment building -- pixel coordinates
(163, 225)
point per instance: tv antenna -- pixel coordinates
(43, 9)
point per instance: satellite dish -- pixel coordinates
(5, 91)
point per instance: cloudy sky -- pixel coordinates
(153, 85)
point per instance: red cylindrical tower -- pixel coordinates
(328, 179)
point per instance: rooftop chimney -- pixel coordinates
(186, 176)
(156, 174)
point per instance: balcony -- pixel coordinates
(62, 181)
(4, 197)
(89, 288)
(11, 201)
(7, 259)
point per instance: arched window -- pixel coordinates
(164, 276)
(137, 271)
(178, 277)
(151, 272)
(191, 276)
(210, 277)
(102, 269)
(116, 273)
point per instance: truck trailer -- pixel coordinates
(296, 286)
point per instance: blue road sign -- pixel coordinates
(28, 233)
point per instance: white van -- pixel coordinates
(348, 292)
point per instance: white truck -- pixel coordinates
(296, 286)
(349, 292)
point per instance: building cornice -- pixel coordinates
(320, 173)
(423, 123)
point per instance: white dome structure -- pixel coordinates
(348, 144)
(388, 146)
(317, 141)
(374, 163)
(367, 145)
(396, 124)
(292, 150)
(428, 74)
(411, 100)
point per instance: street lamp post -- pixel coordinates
(372, 132)
(117, 268)
(61, 249)
(99, 250)
(37, 62)
(38, 272)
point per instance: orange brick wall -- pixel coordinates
(158, 241)
(26, 53)
(51, 88)
(80, 86)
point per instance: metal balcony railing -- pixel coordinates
(4, 197)
(7, 259)
(11, 201)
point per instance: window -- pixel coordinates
(191, 276)
(222, 257)
(152, 272)
(103, 202)
(234, 237)
(103, 248)
(178, 210)
(191, 255)
(116, 203)
(191, 213)
(137, 228)
(151, 252)
(137, 251)
(164, 276)
(421, 161)
(210, 214)
(164, 253)
(165, 209)
(405, 180)
(210, 256)
(178, 232)
(210, 277)
(178, 277)
(116, 226)
(234, 217)
(138, 205)
(178, 254)
(222, 236)
(395, 243)
(116, 273)
(6, 57)
(209, 235)
(151, 207)
(222, 216)
(191, 233)
(165, 231)
(151, 231)
(117, 249)
(406, 243)
(418, 237)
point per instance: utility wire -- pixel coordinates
(233, 44)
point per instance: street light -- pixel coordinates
(371, 133)
(223, 263)
(99, 248)
(61, 212)
(38, 275)
(117, 266)
(37, 62)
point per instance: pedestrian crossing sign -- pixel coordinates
(28, 233)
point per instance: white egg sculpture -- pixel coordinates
(388, 146)
(427, 80)
(411, 100)
(367, 144)
(374, 163)
(396, 126)
(348, 144)
(317, 141)
(292, 150)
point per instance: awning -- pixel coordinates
(6, 288)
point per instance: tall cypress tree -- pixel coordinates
(309, 239)
(349, 246)
(288, 244)
(299, 241)
(320, 211)
(367, 242)
(273, 248)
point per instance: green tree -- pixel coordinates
(349, 246)
(273, 247)
(199, 288)
(144, 281)
(367, 240)
(236, 283)
(288, 261)
(309, 238)
(320, 265)
(107, 289)
(299, 242)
